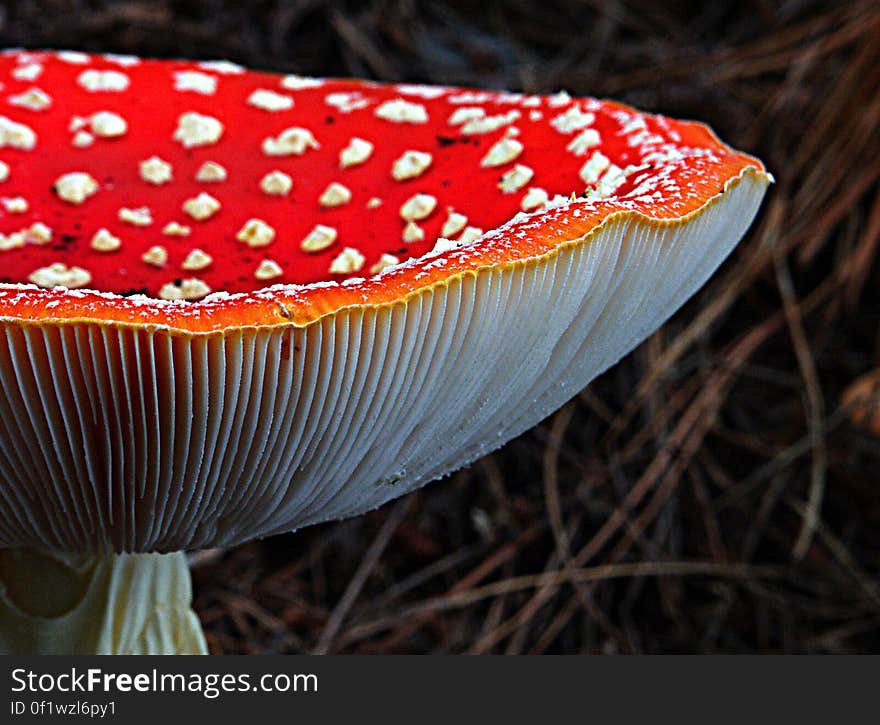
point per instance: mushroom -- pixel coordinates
(447, 267)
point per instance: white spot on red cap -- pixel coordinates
(421, 90)
(256, 233)
(399, 110)
(201, 207)
(335, 194)
(502, 152)
(28, 72)
(294, 141)
(270, 100)
(490, 123)
(355, 153)
(294, 82)
(195, 129)
(156, 256)
(8, 242)
(594, 167)
(454, 223)
(470, 235)
(175, 229)
(470, 97)
(106, 124)
(96, 81)
(412, 232)
(573, 119)
(347, 102)
(126, 61)
(411, 164)
(276, 183)
(515, 179)
(73, 56)
(465, 114)
(535, 198)
(155, 170)
(194, 81)
(60, 275)
(444, 245)
(33, 99)
(38, 233)
(584, 141)
(347, 261)
(268, 269)
(418, 207)
(138, 217)
(15, 204)
(82, 139)
(184, 289)
(16, 135)
(223, 67)
(104, 241)
(75, 187)
(318, 239)
(613, 178)
(196, 260)
(211, 172)
(557, 100)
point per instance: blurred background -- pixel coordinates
(717, 491)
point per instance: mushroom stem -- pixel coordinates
(53, 603)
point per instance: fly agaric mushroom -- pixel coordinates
(447, 267)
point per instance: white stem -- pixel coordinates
(53, 603)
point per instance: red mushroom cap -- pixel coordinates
(173, 179)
